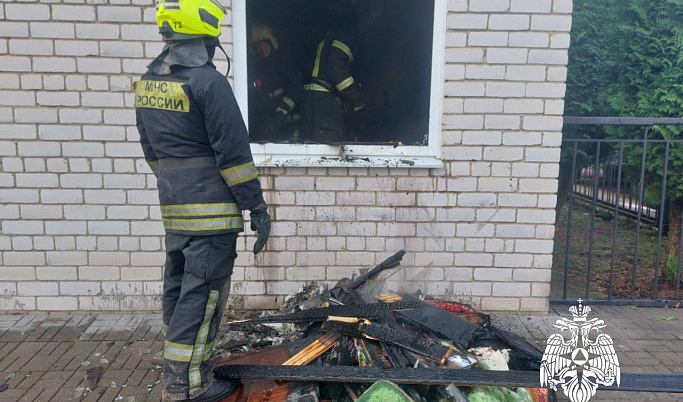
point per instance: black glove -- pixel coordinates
(260, 223)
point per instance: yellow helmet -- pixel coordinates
(261, 32)
(186, 19)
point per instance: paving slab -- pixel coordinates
(45, 357)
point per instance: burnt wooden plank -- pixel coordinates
(438, 321)
(421, 346)
(671, 383)
(390, 262)
(368, 311)
(341, 374)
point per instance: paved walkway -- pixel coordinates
(47, 357)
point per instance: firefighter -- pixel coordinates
(332, 90)
(274, 86)
(195, 140)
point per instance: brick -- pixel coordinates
(9, 211)
(509, 22)
(334, 183)
(477, 200)
(14, 63)
(73, 13)
(529, 39)
(502, 122)
(526, 6)
(457, 5)
(525, 169)
(503, 153)
(67, 258)
(138, 32)
(19, 196)
(476, 230)
(35, 115)
(462, 184)
(81, 180)
(27, 12)
(22, 227)
(488, 39)
(375, 214)
(39, 149)
(37, 180)
(536, 216)
(104, 133)
(80, 116)
(507, 55)
(469, 55)
(476, 72)
(121, 49)
(8, 81)
(52, 30)
(61, 303)
(543, 155)
(489, 5)
(37, 289)
(473, 260)
(76, 48)
(13, 29)
(534, 246)
(515, 231)
(84, 212)
(532, 275)
(546, 90)
(505, 89)
(65, 227)
(561, 23)
(129, 150)
(30, 47)
(538, 56)
(511, 289)
(99, 65)
(560, 41)
(467, 21)
(538, 185)
(118, 14)
(97, 31)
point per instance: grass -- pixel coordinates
(602, 257)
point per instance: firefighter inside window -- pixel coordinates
(346, 72)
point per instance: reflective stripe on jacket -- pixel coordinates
(331, 69)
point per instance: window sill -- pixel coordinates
(314, 155)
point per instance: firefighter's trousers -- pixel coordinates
(196, 287)
(324, 118)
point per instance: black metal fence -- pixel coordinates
(605, 187)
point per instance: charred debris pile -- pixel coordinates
(355, 343)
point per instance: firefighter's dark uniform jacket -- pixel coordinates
(192, 113)
(194, 138)
(331, 76)
(274, 84)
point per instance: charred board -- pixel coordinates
(341, 374)
(438, 321)
(421, 346)
(390, 262)
(371, 311)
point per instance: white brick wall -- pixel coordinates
(79, 221)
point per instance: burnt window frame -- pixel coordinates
(348, 155)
